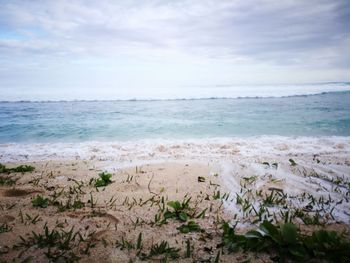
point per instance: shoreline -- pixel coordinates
(160, 150)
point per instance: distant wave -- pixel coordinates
(183, 98)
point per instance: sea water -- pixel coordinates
(325, 114)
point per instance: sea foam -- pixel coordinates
(162, 149)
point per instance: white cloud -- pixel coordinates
(173, 43)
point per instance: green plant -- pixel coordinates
(250, 179)
(18, 169)
(276, 197)
(216, 195)
(40, 201)
(5, 228)
(180, 211)
(28, 219)
(59, 243)
(7, 181)
(23, 169)
(162, 248)
(286, 241)
(104, 180)
(3, 168)
(314, 219)
(328, 245)
(124, 244)
(139, 241)
(188, 249)
(201, 179)
(191, 226)
(292, 162)
(217, 258)
(70, 204)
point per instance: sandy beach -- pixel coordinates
(123, 209)
(175, 131)
(122, 221)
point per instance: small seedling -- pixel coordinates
(266, 163)
(188, 249)
(139, 241)
(276, 197)
(40, 201)
(217, 258)
(8, 181)
(60, 244)
(180, 210)
(216, 195)
(163, 248)
(292, 162)
(104, 180)
(124, 244)
(201, 179)
(5, 228)
(191, 226)
(29, 219)
(250, 179)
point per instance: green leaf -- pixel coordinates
(40, 201)
(268, 229)
(292, 162)
(217, 258)
(175, 205)
(168, 215)
(297, 251)
(184, 229)
(139, 241)
(289, 233)
(253, 234)
(183, 216)
(188, 249)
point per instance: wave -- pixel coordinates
(180, 99)
(125, 152)
(208, 93)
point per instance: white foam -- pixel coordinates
(199, 149)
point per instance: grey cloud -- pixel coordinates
(279, 32)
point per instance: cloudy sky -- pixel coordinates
(85, 48)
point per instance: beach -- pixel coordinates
(175, 131)
(243, 181)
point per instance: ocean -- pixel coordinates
(325, 114)
(205, 126)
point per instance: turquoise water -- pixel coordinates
(325, 114)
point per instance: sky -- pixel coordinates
(84, 49)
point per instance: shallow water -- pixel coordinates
(325, 114)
